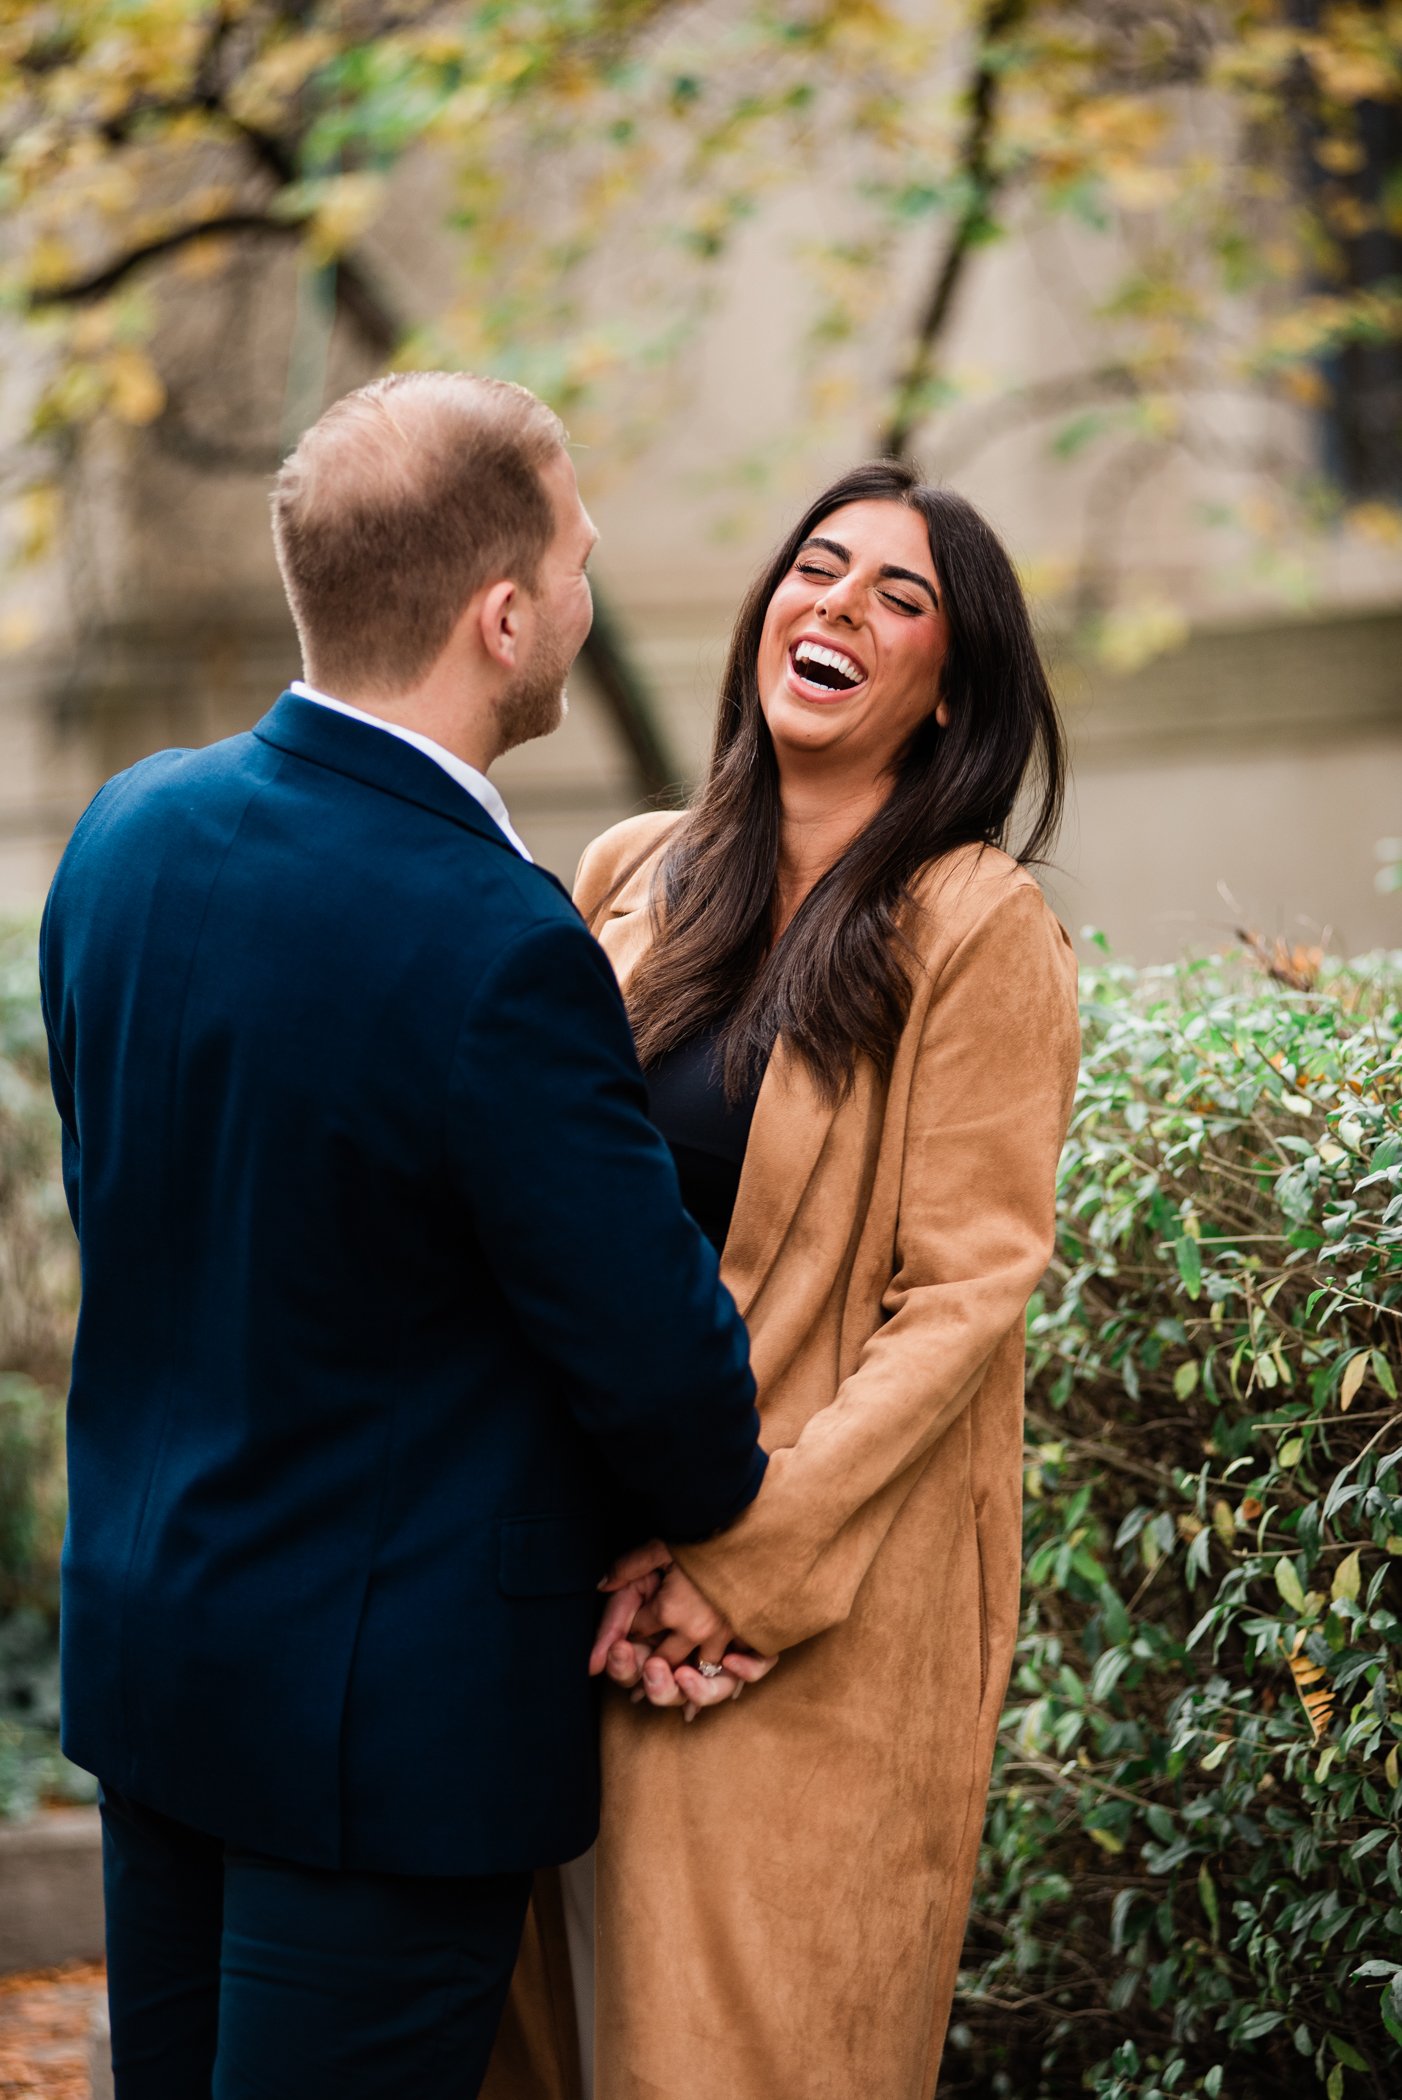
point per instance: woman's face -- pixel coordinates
(854, 640)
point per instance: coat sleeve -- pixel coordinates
(579, 1217)
(989, 1103)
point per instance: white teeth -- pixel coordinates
(814, 653)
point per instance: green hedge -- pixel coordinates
(1192, 1873)
(38, 1296)
(1192, 1882)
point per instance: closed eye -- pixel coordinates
(811, 568)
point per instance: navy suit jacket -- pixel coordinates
(393, 1327)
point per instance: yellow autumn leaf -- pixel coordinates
(1340, 156)
(93, 328)
(202, 259)
(50, 262)
(1306, 385)
(1381, 522)
(1349, 217)
(1355, 1371)
(135, 392)
(278, 75)
(345, 209)
(40, 514)
(1134, 634)
(1390, 1768)
(1138, 188)
(1352, 76)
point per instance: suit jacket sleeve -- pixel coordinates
(989, 1104)
(581, 1221)
(60, 1079)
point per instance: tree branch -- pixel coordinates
(79, 291)
(622, 685)
(984, 181)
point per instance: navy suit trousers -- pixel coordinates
(232, 1976)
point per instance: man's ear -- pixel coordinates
(499, 623)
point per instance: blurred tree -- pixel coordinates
(592, 160)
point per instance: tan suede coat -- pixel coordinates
(783, 1885)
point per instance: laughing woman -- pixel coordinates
(858, 1019)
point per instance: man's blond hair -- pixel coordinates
(401, 502)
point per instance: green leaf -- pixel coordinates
(1289, 1585)
(1347, 2054)
(1188, 1255)
(1382, 1371)
(1334, 2088)
(1185, 1379)
(1289, 1453)
(1348, 1577)
(1080, 431)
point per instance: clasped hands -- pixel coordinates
(655, 1621)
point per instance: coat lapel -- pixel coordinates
(790, 1127)
(791, 1119)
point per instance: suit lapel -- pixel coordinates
(791, 1119)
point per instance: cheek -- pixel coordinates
(921, 658)
(767, 661)
(784, 608)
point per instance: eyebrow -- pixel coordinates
(888, 571)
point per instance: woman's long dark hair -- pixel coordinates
(836, 985)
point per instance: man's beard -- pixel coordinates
(535, 702)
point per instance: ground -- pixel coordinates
(45, 2020)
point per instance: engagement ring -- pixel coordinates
(711, 1669)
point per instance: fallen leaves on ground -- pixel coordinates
(45, 2020)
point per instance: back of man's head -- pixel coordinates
(396, 508)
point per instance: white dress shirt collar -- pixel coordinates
(477, 784)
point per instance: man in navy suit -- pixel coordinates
(393, 1328)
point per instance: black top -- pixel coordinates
(707, 1134)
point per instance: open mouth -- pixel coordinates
(829, 672)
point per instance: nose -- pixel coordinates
(838, 601)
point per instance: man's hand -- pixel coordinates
(619, 1614)
(656, 1619)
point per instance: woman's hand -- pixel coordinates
(679, 1621)
(655, 1621)
(661, 1685)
